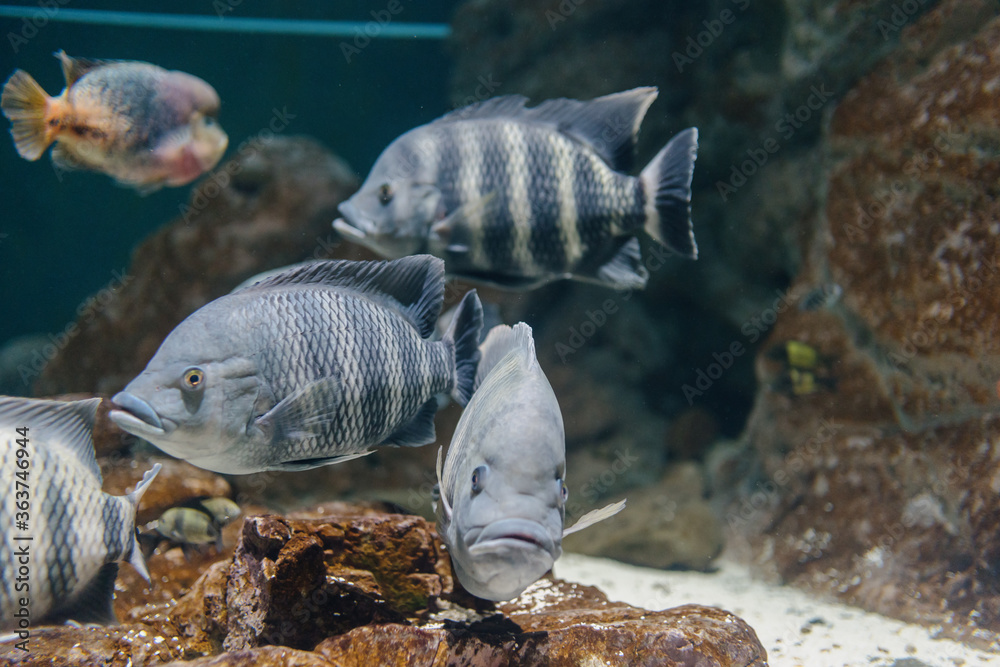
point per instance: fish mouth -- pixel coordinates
(352, 225)
(511, 533)
(136, 416)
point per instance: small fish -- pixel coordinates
(63, 536)
(306, 368)
(822, 296)
(199, 521)
(222, 510)
(501, 492)
(186, 525)
(144, 126)
(517, 197)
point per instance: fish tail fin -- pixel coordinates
(666, 181)
(462, 338)
(25, 104)
(135, 555)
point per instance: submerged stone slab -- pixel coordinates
(359, 585)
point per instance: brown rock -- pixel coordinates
(879, 482)
(666, 525)
(556, 623)
(276, 210)
(265, 656)
(360, 583)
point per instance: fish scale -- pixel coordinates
(341, 365)
(75, 528)
(516, 196)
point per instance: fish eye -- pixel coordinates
(194, 378)
(385, 194)
(477, 479)
(563, 490)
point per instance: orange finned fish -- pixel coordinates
(144, 126)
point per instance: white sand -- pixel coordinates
(797, 629)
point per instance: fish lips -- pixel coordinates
(508, 534)
(352, 225)
(137, 416)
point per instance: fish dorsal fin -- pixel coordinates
(505, 106)
(74, 68)
(593, 516)
(607, 124)
(501, 341)
(67, 424)
(413, 286)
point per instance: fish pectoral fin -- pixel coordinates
(63, 158)
(594, 516)
(419, 430)
(93, 604)
(304, 413)
(623, 271)
(457, 225)
(308, 464)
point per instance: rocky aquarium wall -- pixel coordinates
(815, 399)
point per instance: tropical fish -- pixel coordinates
(199, 521)
(517, 197)
(501, 492)
(306, 368)
(144, 126)
(63, 536)
(187, 525)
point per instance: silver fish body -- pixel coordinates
(516, 197)
(63, 536)
(306, 368)
(501, 490)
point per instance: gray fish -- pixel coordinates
(517, 197)
(62, 536)
(501, 492)
(306, 368)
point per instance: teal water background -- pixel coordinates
(62, 241)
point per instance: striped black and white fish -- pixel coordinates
(309, 367)
(62, 535)
(516, 196)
